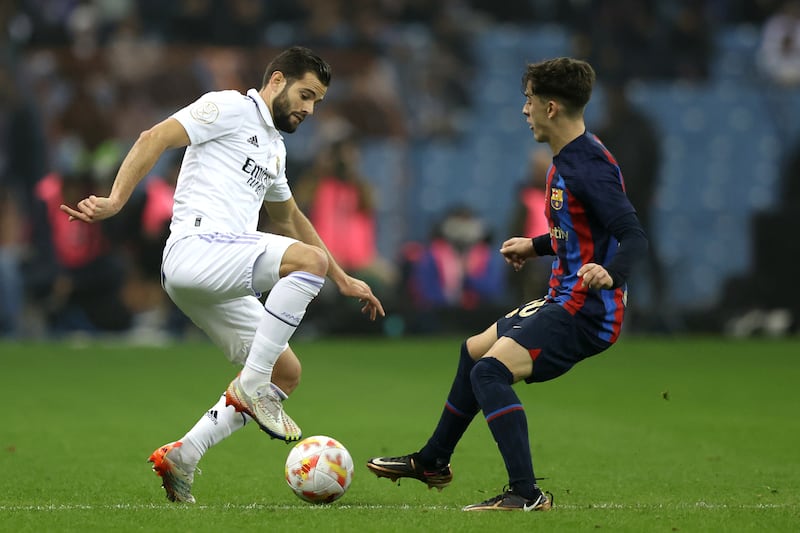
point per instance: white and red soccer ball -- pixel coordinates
(319, 469)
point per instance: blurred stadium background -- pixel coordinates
(430, 92)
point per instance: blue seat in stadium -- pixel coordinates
(735, 53)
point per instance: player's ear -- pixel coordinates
(553, 108)
(277, 79)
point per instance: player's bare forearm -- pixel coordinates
(306, 232)
(137, 163)
(291, 222)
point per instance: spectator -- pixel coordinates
(779, 54)
(372, 103)
(22, 143)
(690, 41)
(241, 23)
(340, 204)
(778, 59)
(143, 230)
(21, 156)
(531, 281)
(74, 273)
(441, 84)
(759, 302)
(191, 21)
(458, 270)
(11, 294)
(637, 148)
(623, 36)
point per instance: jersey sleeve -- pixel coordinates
(279, 191)
(602, 189)
(211, 116)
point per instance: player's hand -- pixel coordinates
(91, 209)
(359, 289)
(594, 276)
(517, 250)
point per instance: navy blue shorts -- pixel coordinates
(553, 337)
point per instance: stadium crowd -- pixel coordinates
(80, 79)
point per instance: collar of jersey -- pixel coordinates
(264, 110)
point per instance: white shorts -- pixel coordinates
(210, 278)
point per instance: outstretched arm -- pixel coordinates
(139, 161)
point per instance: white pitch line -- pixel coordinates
(341, 507)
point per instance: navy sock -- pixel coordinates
(459, 410)
(492, 381)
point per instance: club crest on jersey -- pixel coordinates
(557, 198)
(205, 112)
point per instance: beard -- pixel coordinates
(281, 110)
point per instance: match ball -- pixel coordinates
(319, 469)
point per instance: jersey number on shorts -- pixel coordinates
(528, 309)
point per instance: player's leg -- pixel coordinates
(294, 272)
(461, 405)
(177, 461)
(198, 289)
(229, 325)
(492, 380)
(221, 420)
(538, 334)
(213, 269)
(431, 464)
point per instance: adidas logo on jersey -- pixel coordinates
(253, 140)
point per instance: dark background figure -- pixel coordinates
(779, 52)
(141, 233)
(74, 271)
(11, 293)
(456, 278)
(726, 70)
(22, 139)
(637, 149)
(778, 61)
(340, 202)
(529, 220)
(755, 304)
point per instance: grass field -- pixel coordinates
(654, 435)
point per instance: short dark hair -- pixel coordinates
(564, 78)
(295, 62)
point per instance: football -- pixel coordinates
(319, 469)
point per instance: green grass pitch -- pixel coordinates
(691, 434)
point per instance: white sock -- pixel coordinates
(217, 424)
(286, 306)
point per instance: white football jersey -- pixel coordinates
(236, 160)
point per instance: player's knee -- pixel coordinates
(301, 257)
(488, 370)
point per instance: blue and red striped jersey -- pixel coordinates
(585, 194)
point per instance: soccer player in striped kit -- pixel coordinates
(216, 264)
(596, 238)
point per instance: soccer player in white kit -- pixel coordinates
(216, 264)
